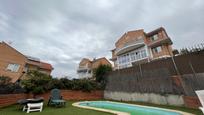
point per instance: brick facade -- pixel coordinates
(9, 99)
(156, 44)
(86, 66)
(12, 56)
(191, 102)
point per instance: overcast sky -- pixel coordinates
(62, 32)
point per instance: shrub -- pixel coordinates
(5, 80)
(56, 83)
(7, 87)
(99, 74)
(68, 84)
(36, 82)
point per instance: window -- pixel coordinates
(13, 67)
(157, 49)
(143, 54)
(137, 55)
(154, 37)
(133, 56)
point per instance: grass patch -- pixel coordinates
(68, 110)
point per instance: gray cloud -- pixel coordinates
(62, 32)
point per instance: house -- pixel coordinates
(15, 65)
(137, 46)
(86, 66)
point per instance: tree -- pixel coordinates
(37, 82)
(99, 74)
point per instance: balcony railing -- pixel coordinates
(130, 46)
(160, 41)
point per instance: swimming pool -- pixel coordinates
(126, 109)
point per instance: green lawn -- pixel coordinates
(70, 110)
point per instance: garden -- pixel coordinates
(38, 84)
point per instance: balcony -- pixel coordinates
(160, 41)
(83, 69)
(129, 46)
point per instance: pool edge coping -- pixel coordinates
(77, 104)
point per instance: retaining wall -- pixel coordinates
(169, 99)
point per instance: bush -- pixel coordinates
(36, 82)
(56, 83)
(5, 80)
(39, 83)
(99, 74)
(7, 87)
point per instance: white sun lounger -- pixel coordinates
(200, 94)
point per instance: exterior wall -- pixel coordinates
(45, 71)
(85, 75)
(161, 35)
(9, 99)
(192, 102)
(76, 95)
(9, 56)
(136, 58)
(145, 97)
(166, 48)
(102, 61)
(166, 51)
(88, 66)
(85, 63)
(131, 36)
(32, 67)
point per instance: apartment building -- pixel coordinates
(86, 66)
(138, 47)
(15, 65)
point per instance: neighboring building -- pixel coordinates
(15, 65)
(139, 47)
(86, 66)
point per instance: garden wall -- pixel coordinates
(9, 99)
(159, 81)
(76, 95)
(168, 99)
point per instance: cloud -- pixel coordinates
(62, 32)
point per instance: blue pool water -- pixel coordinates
(132, 109)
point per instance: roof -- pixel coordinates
(46, 66)
(33, 58)
(95, 60)
(100, 61)
(86, 59)
(12, 48)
